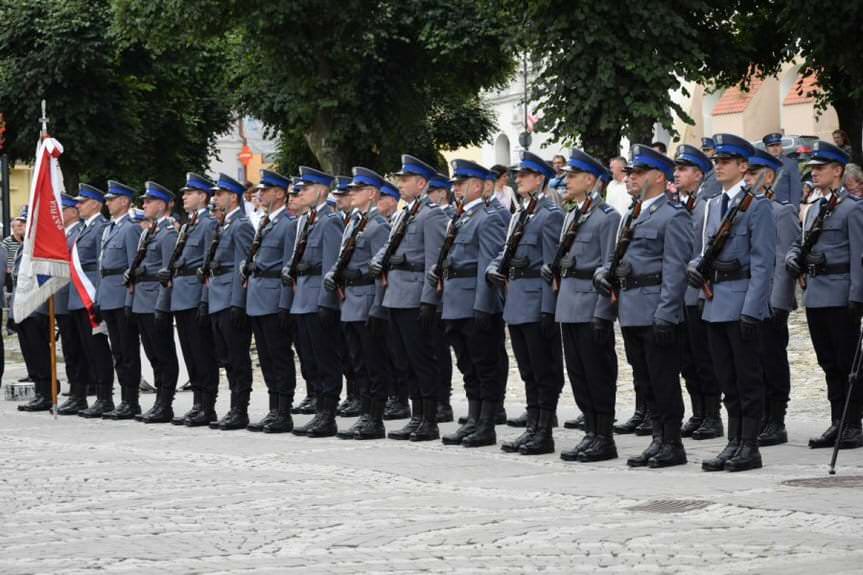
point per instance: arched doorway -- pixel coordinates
(502, 151)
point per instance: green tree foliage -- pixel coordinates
(122, 109)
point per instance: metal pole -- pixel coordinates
(53, 341)
(524, 78)
(7, 209)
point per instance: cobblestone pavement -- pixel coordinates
(122, 497)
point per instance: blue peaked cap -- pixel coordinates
(583, 162)
(342, 183)
(271, 179)
(197, 183)
(762, 158)
(439, 182)
(826, 153)
(366, 177)
(533, 163)
(692, 156)
(412, 166)
(68, 201)
(731, 146)
(312, 176)
(708, 144)
(158, 192)
(88, 192)
(464, 169)
(387, 189)
(229, 184)
(772, 139)
(645, 157)
(116, 189)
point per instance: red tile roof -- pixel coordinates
(734, 100)
(799, 93)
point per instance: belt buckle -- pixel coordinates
(812, 270)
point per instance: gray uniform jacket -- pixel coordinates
(710, 188)
(578, 301)
(661, 244)
(787, 232)
(504, 212)
(322, 250)
(362, 301)
(61, 297)
(89, 243)
(187, 290)
(528, 298)
(752, 246)
(480, 236)
(224, 288)
(149, 295)
(789, 187)
(264, 288)
(286, 296)
(119, 244)
(840, 242)
(692, 294)
(419, 250)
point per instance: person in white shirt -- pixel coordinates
(615, 193)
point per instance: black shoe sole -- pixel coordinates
(368, 437)
(733, 469)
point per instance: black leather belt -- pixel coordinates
(309, 271)
(147, 278)
(813, 270)
(363, 280)
(584, 274)
(729, 276)
(271, 274)
(220, 271)
(90, 268)
(523, 273)
(462, 272)
(408, 267)
(646, 280)
(114, 272)
(187, 271)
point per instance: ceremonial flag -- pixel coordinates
(45, 257)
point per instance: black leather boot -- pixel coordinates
(427, 429)
(730, 450)
(484, 433)
(697, 418)
(205, 414)
(343, 405)
(500, 414)
(530, 429)
(196, 407)
(826, 439)
(852, 435)
(283, 422)
(577, 423)
(163, 411)
(474, 407)
(671, 451)
(646, 425)
(520, 421)
(307, 406)
(361, 420)
(156, 403)
(630, 424)
(128, 408)
(602, 448)
(100, 407)
(589, 435)
(747, 457)
(326, 424)
(72, 406)
(38, 403)
(711, 427)
(354, 408)
(444, 412)
(396, 408)
(774, 432)
(652, 449)
(542, 440)
(236, 418)
(271, 414)
(404, 433)
(373, 426)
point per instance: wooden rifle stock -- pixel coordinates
(182, 238)
(346, 253)
(140, 255)
(814, 233)
(449, 240)
(515, 237)
(396, 238)
(300, 247)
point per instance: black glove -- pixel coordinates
(547, 325)
(482, 320)
(428, 314)
(328, 317)
(164, 276)
(693, 276)
(286, 320)
(602, 282)
(127, 311)
(547, 274)
(602, 330)
(855, 308)
(433, 276)
(203, 315)
(495, 278)
(376, 267)
(377, 326)
(162, 319)
(792, 262)
(780, 316)
(287, 280)
(749, 327)
(663, 333)
(330, 281)
(238, 317)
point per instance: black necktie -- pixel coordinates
(724, 204)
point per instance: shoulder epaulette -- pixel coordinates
(432, 204)
(676, 205)
(606, 208)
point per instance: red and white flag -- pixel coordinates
(45, 258)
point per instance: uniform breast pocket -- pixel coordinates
(194, 242)
(580, 246)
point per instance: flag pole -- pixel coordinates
(52, 318)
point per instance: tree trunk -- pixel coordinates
(332, 159)
(602, 144)
(641, 131)
(851, 120)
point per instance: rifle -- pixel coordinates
(814, 233)
(769, 192)
(346, 253)
(300, 247)
(515, 237)
(182, 238)
(396, 237)
(143, 244)
(625, 239)
(580, 216)
(249, 262)
(449, 240)
(717, 242)
(205, 271)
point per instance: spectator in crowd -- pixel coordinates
(840, 138)
(252, 203)
(12, 243)
(615, 194)
(559, 180)
(659, 147)
(502, 190)
(854, 180)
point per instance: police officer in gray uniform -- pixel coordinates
(95, 345)
(530, 304)
(691, 170)
(834, 287)
(225, 296)
(412, 303)
(788, 186)
(361, 307)
(774, 332)
(316, 248)
(77, 371)
(187, 304)
(710, 188)
(472, 308)
(652, 280)
(151, 301)
(119, 245)
(587, 318)
(740, 282)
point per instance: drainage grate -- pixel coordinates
(671, 505)
(848, 482)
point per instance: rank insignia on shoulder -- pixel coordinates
(606, 208)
